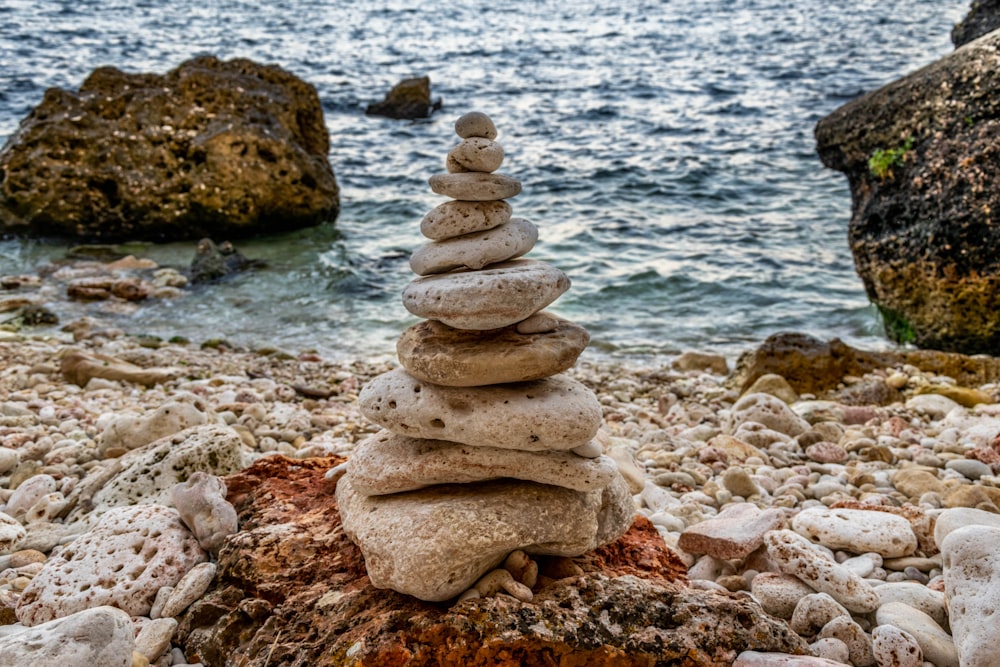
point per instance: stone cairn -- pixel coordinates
(487, 453)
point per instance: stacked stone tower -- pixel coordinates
(485, 449)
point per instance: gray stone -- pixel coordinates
(474, 251)
(971, 559)
(475, 186)
(475, 124)
(390, 463)
(437, 353)
(435, 543)
(556, 413)
(99, 637)
(765, 409)
(488, 299)
(475, 154)
(813, 612)
(121, 562)
(30, 492)
(458, 218)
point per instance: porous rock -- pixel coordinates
(760, 659)
(201, 501)
(102, 636)
(474, 251)
(127, 432)
(971, 560)
(80, 367)
(434, 352)
(857, 531)
(936, 644)
(487, 299)
(121, 562)
(457, 218)
(292, 590)
(892, 646)
(435, 543)
(768, 410)
(475, 154)
(557, 413)
(12, 533)
(475, 186)
(389, 463)
(212, 148)
(778, 593)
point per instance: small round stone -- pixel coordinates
(457, 218)
(475, 154)
(475, 124)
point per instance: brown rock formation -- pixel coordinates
(408, 99)
(292, 590)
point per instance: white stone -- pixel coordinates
(491, 298)
(864, 564)
(30, 492)
(957, 517)
(895, 648)
(778, 594)
(474, 251)
(936, 644)
(12, 533)
(9, 458)
(859, 644)
(127, 432)
(457, 218)
(390, 463)
(475, 154)
(830, 648)
(813, 611)
(760, 659)
(971, 560)
(154, 638)
(201, 501)
(918, 596)
(764, 409)
(189, 588)
(857, 531)
(46, 508)
(97, 637)
(796, 556)
(934, 406)
(121, 562)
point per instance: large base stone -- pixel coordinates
(293, 591)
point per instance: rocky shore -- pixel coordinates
(861, 521)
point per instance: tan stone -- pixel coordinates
(964, 396)
(775, 385)
(475, 154)
(557, 413)
(474, 251)
(436, 543)
(475, 124)
(489, 299)
(390, 463)
(437, 353)
(475, 186)
(456, 218)
(915, 482)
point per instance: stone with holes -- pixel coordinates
(127, 432)
(457, 218)
(102, 637)
(474, 251)
(390, 463)
(557, 413)
(857, 531)
(437, 353)
(122, 562)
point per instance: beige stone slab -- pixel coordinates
(437, 353)
(436, 542)
(557, 413)
(457, 218)
(475, 186)
(387, 462)
(492, 298)
(474, 251)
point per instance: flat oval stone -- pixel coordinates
(391, 463)
(488, 299)
(434, 543)
(457, 218)
(474, 251)
(437, 353)
(475, 124)
(475, 154)
(557, 413)
(475, 186)
(858, 531)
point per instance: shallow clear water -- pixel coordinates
(665, 148)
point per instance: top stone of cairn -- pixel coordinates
(475, 124)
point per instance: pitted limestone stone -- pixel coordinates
(918, 596)
(475, 124)
(12, 533)
(149, 473)
(859, 644)
(765, 409)
(557, 413)
(436, 543)
(475, 154)
(102, 636)
(971, 560)
(488, 299)
(122, 562)
(857, 531)
(29, 492)
(458, 218)
(434, 352)
(895, 647)
(813, 611)
(778, 593)
(475, 186)
(474, 251)
(128, 432)
(795, 555)
(389, 463)
(201, 501)
(936, 644)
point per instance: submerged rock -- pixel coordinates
(212, 147)
(292, 590)
(408, 99)
(983, 18)
(921, 155)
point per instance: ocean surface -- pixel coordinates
(665, 148)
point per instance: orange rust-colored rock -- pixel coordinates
(292, 590)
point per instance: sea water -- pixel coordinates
(665, 148)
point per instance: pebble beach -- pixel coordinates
(832, 516)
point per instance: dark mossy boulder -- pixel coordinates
(922, 156)
(983, 17)
(212, 148)
(408, 99)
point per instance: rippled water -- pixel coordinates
(665, 148)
